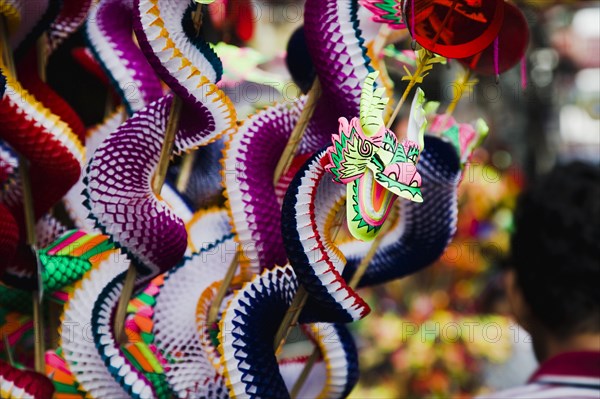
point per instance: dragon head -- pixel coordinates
(395, 167)
(374, 164)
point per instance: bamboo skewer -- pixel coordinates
(54, 313)
(290, 319)
(364, 263)
(294, 141)
(420, 69)
(282, 166)
(158, 181)
(9, 354)
(197, 19)
(187, 163)
(108, 104)
(38, 334)
(461, 88)
(32, 242)
(310, 363)
(27, 202)
(167, 149)
(42, 57)
(462, 83)
(121, 314)
(185, 171)
(213, 312)
(54, 310)
(7, 56)
(38, 320)
(358, 274)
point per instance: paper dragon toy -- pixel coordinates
(376, 167)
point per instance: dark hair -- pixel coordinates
(556, 249)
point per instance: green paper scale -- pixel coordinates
(67, 259)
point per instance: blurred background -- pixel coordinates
(444, 332)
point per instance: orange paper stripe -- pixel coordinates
(88, 245)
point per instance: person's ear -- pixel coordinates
(517, 303)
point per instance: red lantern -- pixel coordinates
(507, 49)
(454, 28)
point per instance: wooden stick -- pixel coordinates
(411, 84)
(310, 362)
(282, 166)
(358, 274)
(7, 56)
(197, 19)
(157, 183)
(187, 163)
(215, 306)
(185, 171)
(167, 149)
(294, 141)
(364, 263)
(38, 334)
(108, 104)
(54, 312)
(38, 320)
(8, 350)
(290, 318)
(380, 40)
(27, 202)
(42, 56)
(30, 221)
(128, 285)
(462, 85)
(173, 124)
(445, 22)
(293, 313)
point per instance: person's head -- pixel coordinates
(555, 263)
